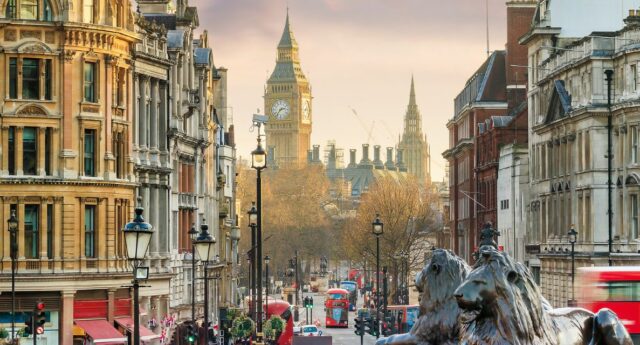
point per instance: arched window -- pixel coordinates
(29, 10)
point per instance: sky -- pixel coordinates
(357, 54)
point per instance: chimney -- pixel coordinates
(389, 164)
(352, 158)
(331, 162)
(316, 153)
(309, 156)
(400, 160)
(365, 154)
(377, 162)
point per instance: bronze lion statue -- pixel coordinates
(437, 322)
(503, 305)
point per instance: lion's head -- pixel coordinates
(501, 301)
(441, 275)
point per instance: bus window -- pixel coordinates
(623, 291)
(337, 296)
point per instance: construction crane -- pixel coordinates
(369, 131)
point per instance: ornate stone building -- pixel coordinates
(67, 167)
(568, 141)
(287, 102)
(414, 145)
(151, 156)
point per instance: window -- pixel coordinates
(13, 78)
(47, 79)
(89, 152)
(90, 82)
(633, 201)
(10, 11)
(29, 10)
(118, 153)
(90, 231)
(30, 79)
(33, 72)
(50, 231)
(31, 228)
(87, 13)
(12, 151)
(29, 151)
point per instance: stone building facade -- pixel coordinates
(67, 166)
(568, 142)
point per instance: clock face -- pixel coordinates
(280, 109)
(306, 111)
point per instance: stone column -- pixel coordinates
(164, 219)
(57, 231)
(55, 151)
(142, 113)
(40, 141)
(109, 63)
(66, 318)
(153, 213)
(153, 116)
(111, 304)
(42, 241)
(163, 117)
(68, 102)
(17, 143)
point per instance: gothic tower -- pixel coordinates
(287, 102)
(414, 143)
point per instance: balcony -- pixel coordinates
(187, 200)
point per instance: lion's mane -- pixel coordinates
(519, 312)
(438, 319)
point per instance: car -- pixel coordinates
(310, 330)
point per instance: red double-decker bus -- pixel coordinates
(337, 307)
(616, 288)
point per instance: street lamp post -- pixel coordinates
(377, 228)
(267, 259)
(573, 235)
(137, 236)
(205, 245)
(253, 221)
(405, 278)
(12, 223)
(193, 234)
(259, 162)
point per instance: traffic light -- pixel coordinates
(40, 318)
(191, 333)
(28, 327)
(359, 326)
(371, 326)
(308, 302)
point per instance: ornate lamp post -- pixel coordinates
(12, 223)
(573, 236)
(377, 227)
(137, 236)
(267, 259)
(259, 162)
(205, 246)
(253, 223)
(193, 234)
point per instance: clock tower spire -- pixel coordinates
(287, 102)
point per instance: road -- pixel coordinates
(341, 336)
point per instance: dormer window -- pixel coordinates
(29, 10)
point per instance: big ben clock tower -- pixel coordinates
(287, 102)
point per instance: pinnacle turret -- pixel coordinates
(412, 94)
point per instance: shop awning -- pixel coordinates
(101, 331)
(145, 333)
